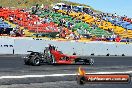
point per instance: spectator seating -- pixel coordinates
(82, 25)
(78, 24)
(118, 22)
(4, 25)
(109, 24)
(28, 21)
(5, 28)
(127, 19)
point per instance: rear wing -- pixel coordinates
(29, 51)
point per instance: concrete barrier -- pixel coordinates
(21, 46)
(6, 46)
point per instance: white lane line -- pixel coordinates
(123, 72)
(58, 75)
(33, 76)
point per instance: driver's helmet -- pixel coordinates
(51, 47)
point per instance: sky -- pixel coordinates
(121, 7)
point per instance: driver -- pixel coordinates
(51, 47)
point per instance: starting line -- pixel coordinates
(58, 75)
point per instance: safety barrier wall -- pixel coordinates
(21, 46)
(6, 45)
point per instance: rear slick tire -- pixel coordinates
(26, 62)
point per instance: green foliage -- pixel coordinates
(29, 3)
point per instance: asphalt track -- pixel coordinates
(14, 74)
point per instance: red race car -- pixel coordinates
(52, 56)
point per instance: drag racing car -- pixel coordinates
(53, 56)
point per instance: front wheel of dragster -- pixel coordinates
(91, 61)
(35, 60)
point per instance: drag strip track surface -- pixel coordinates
(14, 74)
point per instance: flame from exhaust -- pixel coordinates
(81, 71)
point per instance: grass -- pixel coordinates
(29, 3)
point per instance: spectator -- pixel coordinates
(79, 31)
(118, 39)
(69, 25)
(11, 19)
(1, 19)
(60, 22)
(47, 20)
(85, 31)
(71, 36)
(113, 36)
(103, 36)
(12, 33)
(63, 22)
(63, 34)
(127, 40)
(110, 30)
(78, 37)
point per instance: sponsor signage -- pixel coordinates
(83, 78)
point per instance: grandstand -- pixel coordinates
(110, 23)
(67, 20)
(26, 20)
(5, 28)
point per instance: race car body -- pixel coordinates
(53, 56)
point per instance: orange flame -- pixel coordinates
(81, 71)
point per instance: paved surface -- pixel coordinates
(48, 76)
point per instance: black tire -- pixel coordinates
(35, 61)
(26, 61)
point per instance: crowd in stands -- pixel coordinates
(69, 25)
(108, 21)
(6, 29)
(44, 20)
(26, 20)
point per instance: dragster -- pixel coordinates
(55, 57)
